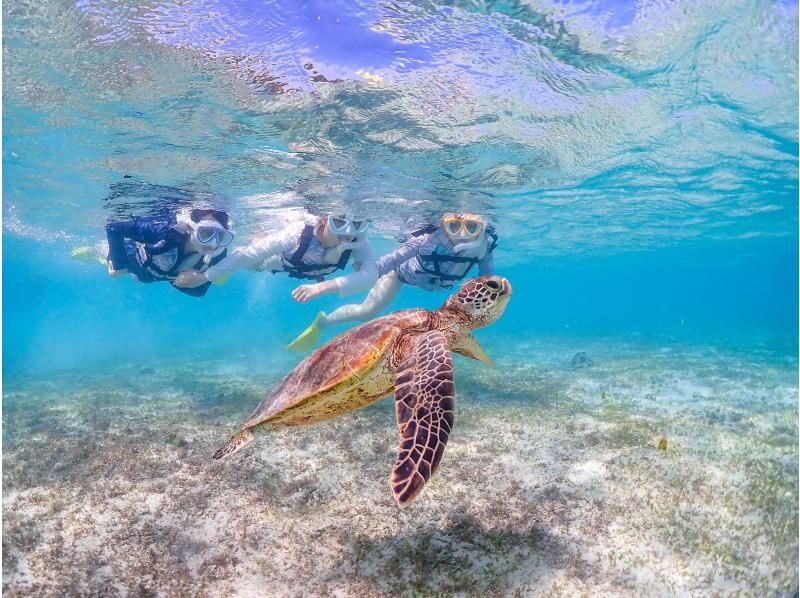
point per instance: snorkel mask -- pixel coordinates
(208, 231)
(212, 237)
(463, 228)
(346, 226)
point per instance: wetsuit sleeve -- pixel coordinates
(363, 278)
(139, 229)
(249, 257)
(402, 254)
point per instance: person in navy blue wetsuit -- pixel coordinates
(159, 248)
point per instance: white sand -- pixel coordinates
(545, 488)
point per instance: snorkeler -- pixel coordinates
(311, 247)
(158, 248)
(433, 258)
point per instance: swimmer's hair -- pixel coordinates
(197, 215)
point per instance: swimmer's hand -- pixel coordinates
(306, 292)
(115, 273)
(190, 279)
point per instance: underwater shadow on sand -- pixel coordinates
(459, 554)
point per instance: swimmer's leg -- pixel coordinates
(385, 290)
(380, 296)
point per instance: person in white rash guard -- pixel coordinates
(433, 258)
(311, 248)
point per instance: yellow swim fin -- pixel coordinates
(221, 280)
(87, 255)
(309, 337)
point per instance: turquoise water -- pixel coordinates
(639, 162)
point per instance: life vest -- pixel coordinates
(431, 263)
(148, 254)
(297, 268)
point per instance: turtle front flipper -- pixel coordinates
(424, 398)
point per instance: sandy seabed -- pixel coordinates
(551, 483)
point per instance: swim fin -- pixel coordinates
(87, 255)
(309, 337)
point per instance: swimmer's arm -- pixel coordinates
(305, 292)
(365, 275)
(250, 256)
(402, 254)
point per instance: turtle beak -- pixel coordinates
(506, 287)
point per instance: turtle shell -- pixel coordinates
(337, 365)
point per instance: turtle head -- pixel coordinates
(480, 301)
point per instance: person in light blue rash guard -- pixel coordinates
(161, 247)
(310, 247)
(434, 257)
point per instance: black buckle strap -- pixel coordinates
(493, 236)
(300, 269)
(305, 240)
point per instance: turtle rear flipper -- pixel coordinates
(424, 399)
(236, 442)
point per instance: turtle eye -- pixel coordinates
(493, 284)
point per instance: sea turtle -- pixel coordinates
(408, 352)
